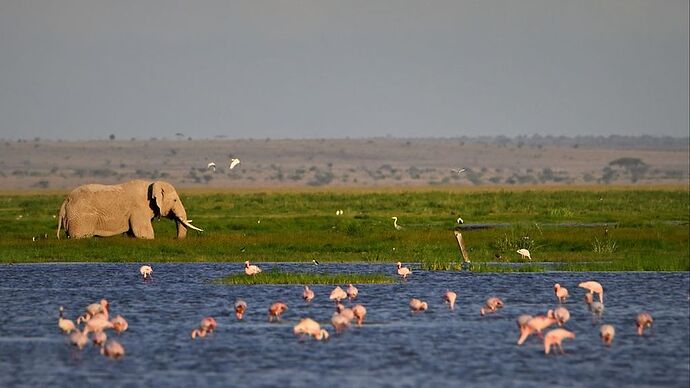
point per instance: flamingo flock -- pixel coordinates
(95, 321)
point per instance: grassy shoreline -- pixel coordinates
(639, 228)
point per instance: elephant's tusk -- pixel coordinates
(187, 224)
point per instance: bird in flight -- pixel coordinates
(315, 262)
(234, 162)
(212, 166)
(460, 220)
(458, 171)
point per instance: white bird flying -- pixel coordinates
(212, 166)
(234, 162)
(460, 220)
(458, 171)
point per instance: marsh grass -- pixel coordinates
(649, 229)
(278, 277)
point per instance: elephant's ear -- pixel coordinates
(157, 195)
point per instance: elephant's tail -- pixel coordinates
(61, 218)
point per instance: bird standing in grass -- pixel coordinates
(524, 253)
(395, 223)
(251, 269)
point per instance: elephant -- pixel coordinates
(107, 210)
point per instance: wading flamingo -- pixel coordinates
(146, 271)
(66, 325)
(337, 294)
(360, 312)
(240, 308)
(119, 324)
(595, 307)
(607, 332)
(561, 292)
(643, 321)
(307, 294)
(418, 305)
(113, 349)
(404, 272)
(352, 292)
(562, 315)
(79, 338)
(449, 298)
(276, 310)
(308, 326)
(99, 338)
(492, 305)
(535, 325)
(593, 286)
(555, 338)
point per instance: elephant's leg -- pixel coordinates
(141, 227)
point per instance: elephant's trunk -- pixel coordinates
(181, 229)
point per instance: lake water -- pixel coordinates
(394, 348)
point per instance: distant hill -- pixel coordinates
(526, 160)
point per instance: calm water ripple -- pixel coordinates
(394, 348)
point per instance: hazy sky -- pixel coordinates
(293, 69)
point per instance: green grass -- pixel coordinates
(628, 229)
(276, 277)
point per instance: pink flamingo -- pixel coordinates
(607, 332)
(561, 292)
(492, 305)
(99, 338)
(535, 325)
(208, 324)
(360, 312)
(346, 312)
(643, 321)
(66, 325)
(119, 324)
(352, 292)
(562, 315)
(449, 298)
(96, 324)
(308, 326)
(276, 310)
(593, 286)
(522, 321)
(307, 294)
(146, 271)
(555, 338)
(240, 308)
(417, 305)
(340, 322)
(404, 272)
(251, 269)
(113, 349)
(199, 332)
(337, 294)
(79, 338)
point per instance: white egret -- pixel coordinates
(212, 166)
(395, 223)
(234, 162)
